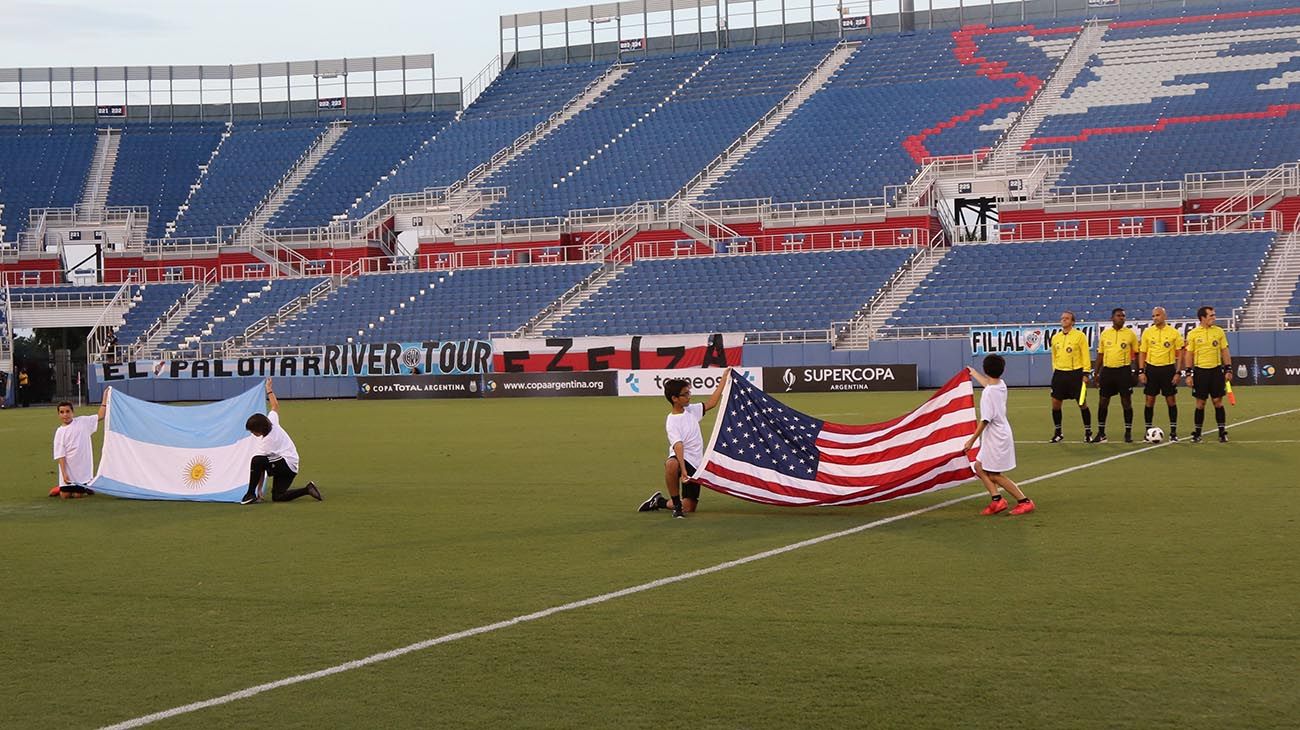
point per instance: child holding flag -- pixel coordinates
(277, 457)
(997, 445)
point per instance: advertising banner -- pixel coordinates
(417, 387)
(630, 352)
(703, 380)
(1275, 370)
(836, 378)
(542, 385)
(1027, 339)
(453, 357)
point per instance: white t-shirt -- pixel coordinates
(72, 442)
(997, 445)
(277, 445)
(685, 427)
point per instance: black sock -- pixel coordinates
(1198, 419)
(1128, 418)
(1149, 413)
(661, 502)
(1173, 418)
(677, 502)
(1022, 501)
(1087, 418)
(1221, 417)
(1056, 420)
(1103, 410)
(996, 497)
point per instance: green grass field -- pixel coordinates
(1155, 591)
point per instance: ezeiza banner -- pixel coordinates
(703, 380)
(1030, 339)
(451, 357)
(838, 378)
(630, 352)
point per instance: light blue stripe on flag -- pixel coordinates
(191, 427)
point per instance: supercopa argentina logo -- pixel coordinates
(490, 386)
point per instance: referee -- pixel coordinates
(1210, 365)
(1115, 348)
(1069, 367)
(1158, 356)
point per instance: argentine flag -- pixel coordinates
(195, 453)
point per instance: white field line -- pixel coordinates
(604, 597)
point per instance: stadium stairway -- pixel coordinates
(1020, 128)
(1267, 305)
(152, 339)
(467, 198)
(557, 310)
(868, 320)
(282, 190)
(816, 80)
(176, 215)
(94, 195)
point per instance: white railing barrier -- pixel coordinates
(135, 349)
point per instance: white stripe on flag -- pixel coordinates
(182, 471)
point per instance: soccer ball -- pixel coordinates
(1155, 435)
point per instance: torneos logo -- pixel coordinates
(788, 379)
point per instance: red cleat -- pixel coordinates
(1023, 508)
(995, 507)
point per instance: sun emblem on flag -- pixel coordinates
(197, 471)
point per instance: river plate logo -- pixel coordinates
(197, 472)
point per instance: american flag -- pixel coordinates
(764, 451)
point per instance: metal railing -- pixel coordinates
(1229, 183)
(776, 243)
(241, 230)
(281, 315)
(608, 269)
(527, 138)
(101, 341)
(688, 189)
(1287, 248)
(6, 333)
(1170, 224)
(167, 319)
(1280, 179)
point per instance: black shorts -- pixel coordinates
(1066, 384)
(1208, 383)
(1116, 381)
(690, 489)
(1160, 380)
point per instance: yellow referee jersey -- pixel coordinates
(1161, 344)
(1206, 344)
(1118, 347)
(1070, 351)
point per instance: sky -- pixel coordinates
(36, 33)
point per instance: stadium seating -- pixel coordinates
(938, 90)
(234, 305)
(368, 149)
(652, 131)
(1216, 89)
(515, 102)
(157, 164)
(425, 305)
(247, 165)
(41, 167)
(148, 303)
(1035, 282)
(736, 293)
